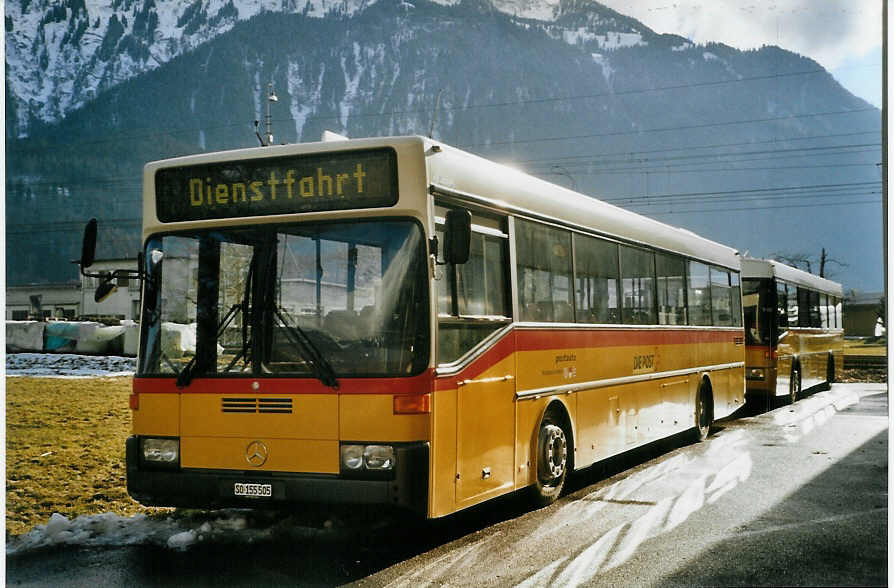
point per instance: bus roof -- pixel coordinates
(770, 268)
(453, 171)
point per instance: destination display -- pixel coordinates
(279, 185)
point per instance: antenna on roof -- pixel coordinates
(271, 97)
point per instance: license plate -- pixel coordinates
(253, 490)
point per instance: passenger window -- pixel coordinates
(803, 307)
(794, 295)
(596, 280)
(735, 299)
(699, 294)
(815, 309)
(544, 273)
(721, 308)
(481, 306)
(637, 286)
(781, 307)
(671, 272)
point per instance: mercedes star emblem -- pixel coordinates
(256, 453)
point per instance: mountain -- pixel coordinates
(760, 149)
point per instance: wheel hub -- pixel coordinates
(554, 452)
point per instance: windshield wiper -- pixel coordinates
(319, 364)
(185, 376)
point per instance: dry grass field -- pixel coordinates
(65, 449)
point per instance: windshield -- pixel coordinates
(323, 300)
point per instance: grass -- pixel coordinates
(65, 449)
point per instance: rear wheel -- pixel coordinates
(830, 370)
(552, 460)
(794, 386)
(703, 413)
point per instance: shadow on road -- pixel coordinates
(832, 531)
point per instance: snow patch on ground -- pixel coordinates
(68, 365)
(179, 531)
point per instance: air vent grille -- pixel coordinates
(257, 405)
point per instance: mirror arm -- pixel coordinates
(433, 248)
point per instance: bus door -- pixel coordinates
(474, 314)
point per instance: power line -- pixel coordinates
(666, 129)
(733, 154)
(752, 191)
(690, 147)
(751, 208)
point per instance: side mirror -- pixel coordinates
(457, 236)
(88, 247)
(105, 289)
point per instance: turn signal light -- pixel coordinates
(415, 404)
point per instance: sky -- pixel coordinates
(844, 36)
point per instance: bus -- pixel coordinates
(393, 322)
(793, 329)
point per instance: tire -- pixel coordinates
(830, 370)
(794, 386)
(704, 412)
(552, 460)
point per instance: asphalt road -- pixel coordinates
(794, 496)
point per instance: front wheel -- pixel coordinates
(794, 387)
(552, 461)
(703, 419)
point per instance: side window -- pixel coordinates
(699, 293)
(792, 310)
(544, 273)
(735, 298)
(671, 271)
(721, 308)
(481, 305)
(815, 309)
(803, 307)
(637, 286)
(824, 310)
(595, 280)
(481, 286)
(781, 306)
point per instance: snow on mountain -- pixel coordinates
(61, 55)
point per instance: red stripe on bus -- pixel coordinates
(562, 339)
(541, 340)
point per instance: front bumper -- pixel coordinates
(193, 488)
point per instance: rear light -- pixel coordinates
(134, 401)
(415, 404)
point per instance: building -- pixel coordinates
(861, 313)
(71, 300)
(32, 301)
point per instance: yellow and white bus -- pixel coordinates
(793, 328)
(393, 321)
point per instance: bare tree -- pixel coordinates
(806, 261)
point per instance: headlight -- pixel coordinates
(160, 451)
(372, 458)
(352, 456)
(378, 457)
(755, 374)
